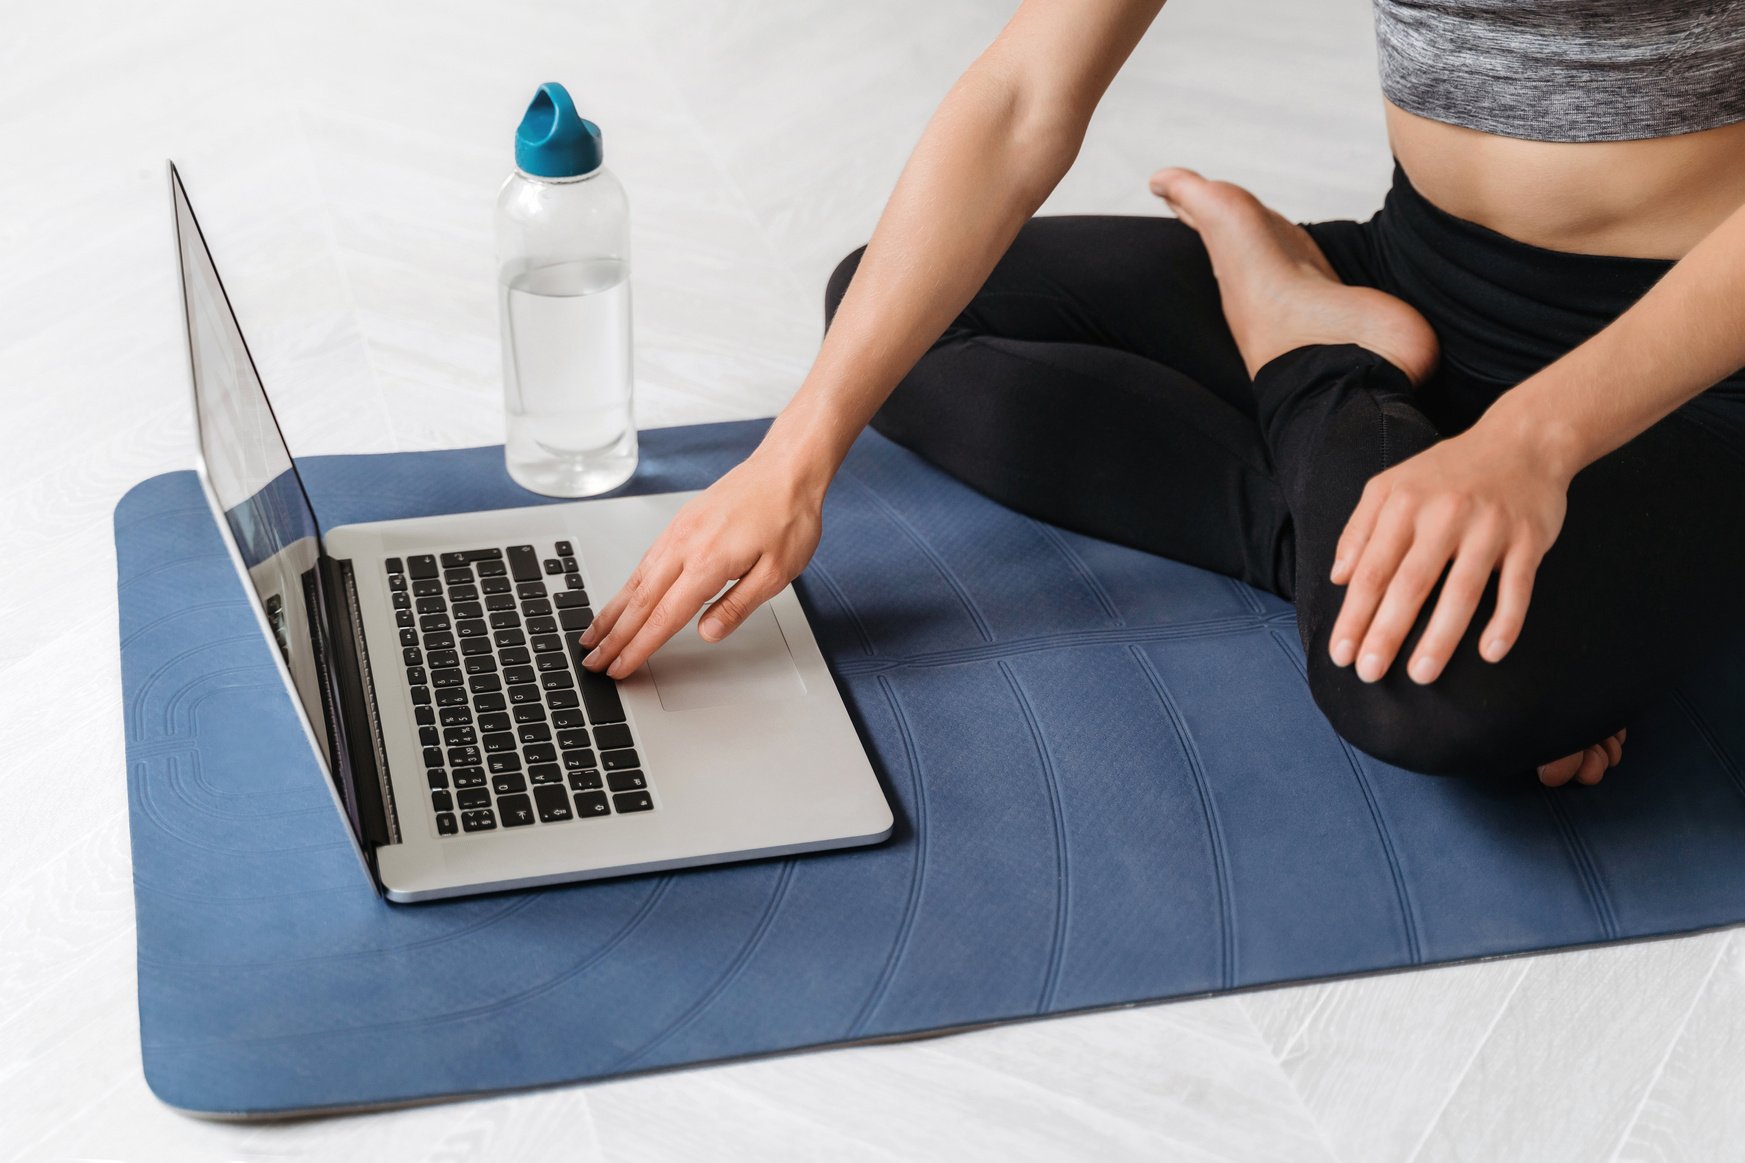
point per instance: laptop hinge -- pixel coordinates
(355, 687)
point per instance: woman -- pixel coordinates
(1520, 379)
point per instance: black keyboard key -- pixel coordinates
(579, 759)
(445, 824)
(420, 696)
(544, 624)
(517, 811)
(552, 662)
(429, 737)
(463, 593)
(394, 566)
(402, 602)
(523, 694)
(397, 583)
(516, 675)
(573, 581)
(592, 803)
(427, 589)
(454, 696)
(494, 721)
(421, 565)
(476, 797)
(536, 607)
(432, 606)
(507, 782)
(564, 549)
(509, 638)
(468, 609)
(497, 603)
(495, 585)
(562, 700)
(554, 804)
(514, 656)
(575, 620)
(491, 569)
(450, 676)
(476, 646)
(466, 756)
(443, 658)
(489, 702)
(412, 656)
(430, 623)
(598, 692)
(573, 738)
(502, 761)
(633, 801)
(532, 589)
(538, 773)
(441, 640)
(586, 780)
(612, 736)
(451, 560)
(456, 716)
(505, 620)
(408, 637)
(553, 565)
(415, 675)
(567, 719)
(523, 562)
(530, 713)
(425, 716)
(625, 780)
(437, 778)
(403, 619)
(481, 664)
(481, 684)
(459, 736)
(502, 741)
(479, 821)
(569, 564)
(619, 760)
(433, 757)
(441, 801)
(474, 628)
(469, 777)
(546, 643)
(458, 577)
(570, 598)
(556, 680)
(491, 553)
(540, 753)
(533, 733)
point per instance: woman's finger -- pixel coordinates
(1593, 766)
(633, 604)
(1455, 605)
(761, 583)
(607, 616)
(1560, 771)
(1356, 533)
(1370, 577)
(1514, 592)
(676, 607)
(1412, 582)
(1614, 751)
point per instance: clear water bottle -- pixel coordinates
(563, 262)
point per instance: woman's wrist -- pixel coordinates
(1546, 436)
(803, 451)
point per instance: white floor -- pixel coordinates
(344, 156)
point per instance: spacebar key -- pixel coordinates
(599, 693)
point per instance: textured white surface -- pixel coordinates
(343, 157)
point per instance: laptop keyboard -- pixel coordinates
(515, 733)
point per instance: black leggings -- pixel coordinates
(1093, 383)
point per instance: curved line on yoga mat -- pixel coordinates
(158, 514)
(161, 566)
(143, 691)
(932, 555)
(189, 787)
(171, 617)
(1576, 849)
(198, 775)
(1208, 811)
(1408, 915)
(1077, 564)
(1708, 737)
(728, 976)
(880, 986)
(148, 806)
(1113, 635)
(624, 931)
(1062, 895)
(817, 572)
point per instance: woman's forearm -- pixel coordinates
(999, 143)
(1685, 334)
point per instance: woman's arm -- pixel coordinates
(1492, 498)
(994, 150)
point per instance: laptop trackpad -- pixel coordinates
(752, 665)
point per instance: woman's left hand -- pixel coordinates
(1483, 502)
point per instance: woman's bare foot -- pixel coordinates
(1279, 293)
(1588, 765)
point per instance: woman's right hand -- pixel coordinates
(756, 527)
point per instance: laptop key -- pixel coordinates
(481, 664)
(625, 780)
(540, 753)
(476, 646)
(436, 778)
(564, 549)
(479, 821)
(433, 757)
(445, 824)
(592, 803)
(459, 736)
(554, 804)
(573, 739)
(473, 798)
(553, 662)
(394, 566)
(441, 640)
(430, 623)
(450, 676)
(530, 713)
(494, 721)
(612, 736)
(403, 619)
(536, 607)
(569, 564)
(533, 733)
(495, 585)
(458, 577)
(516, 675)
(415, 675)
(586, 780)
(467, 756)
(598, 692)
(509, 638)
(523, 562)
(420, 696)
(497, 603)
(505, 620)
(517, 811)
(429, 737)
(412, 656)
(530, 589)
(402, 602)
(424, 715)
(502, 761)
(463, 593)
(576, 619)
(408, 636)
(562, 700)
(579, 759)
(489, 702)
(421, 565)
(553, 680)
(523, 694)
(463, 609)
(469, 777)
(538, 773)
(397, 582)
(432, 606)
(632, 801)
(546, 643)
(509, 781)
(456, 716)
(514, 656)
(553, 565)
(567, 719)
(484, 683)
(441, 801)
(573, 581)
(619, 760)
(543, 624)
(454, 696)
(500, 741)
(427, 589)
(569, 598)
(471, 628)
(440, 659)
(491, 569)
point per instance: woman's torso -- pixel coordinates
(1593, 126)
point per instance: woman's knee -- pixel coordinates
(837, 286)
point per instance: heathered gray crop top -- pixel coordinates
(1566, 70)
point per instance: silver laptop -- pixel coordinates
(435, 666)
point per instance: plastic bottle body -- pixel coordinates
(563, 296)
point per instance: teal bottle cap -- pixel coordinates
(553, 140)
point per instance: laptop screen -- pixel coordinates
(250, 468)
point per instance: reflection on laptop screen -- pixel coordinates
(249, 465)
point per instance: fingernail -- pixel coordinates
(1338, 563)
(1370, 667)
(1423, 670)
(710, 629)
(1342, 652)
(616, 670)
(1493, 649)
(587, 638)
(592, 660)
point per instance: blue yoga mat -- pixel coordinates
(1110, 782)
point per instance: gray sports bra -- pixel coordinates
(1566, 70)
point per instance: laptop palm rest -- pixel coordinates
(751, 665)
